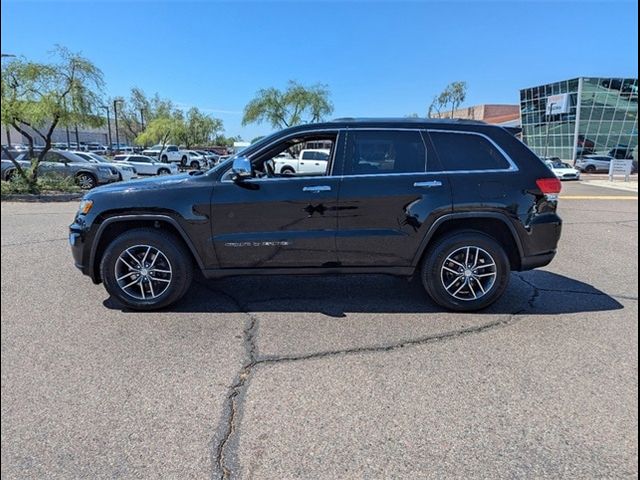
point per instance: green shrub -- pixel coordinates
(44, 184)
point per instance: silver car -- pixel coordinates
(66, 164)
(593, 163)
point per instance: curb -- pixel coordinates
(45, 198)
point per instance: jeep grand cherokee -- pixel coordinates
(459, 203)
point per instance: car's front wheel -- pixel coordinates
(465, 271)
(86, 181)
(146, 269)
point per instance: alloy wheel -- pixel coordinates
(143, 272)
(468, 273)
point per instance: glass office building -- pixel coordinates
(581, 116)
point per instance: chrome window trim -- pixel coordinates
(512, 165)
(513, 168)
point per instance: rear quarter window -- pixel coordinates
(467, 151)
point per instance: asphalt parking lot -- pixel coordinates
(324, 377)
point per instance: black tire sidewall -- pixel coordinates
(94, 182)
(170, 246)
(432, 265)
(164, 171)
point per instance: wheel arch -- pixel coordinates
(111, 227)
(495, 225)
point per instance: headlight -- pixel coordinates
(85, 207)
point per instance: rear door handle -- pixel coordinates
(431, 184)
(317, 188)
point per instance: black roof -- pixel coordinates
(411, 120)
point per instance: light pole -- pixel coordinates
(115, 119)
(106, 107)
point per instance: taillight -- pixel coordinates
(549, 186)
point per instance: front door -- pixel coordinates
(275, 220)
(388, 199)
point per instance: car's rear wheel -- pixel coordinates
(465, 271)
(590, 169)
(195, 164)
(164, 159)
(164, 171)
(86, 181)
(146, 269)
(287, 171)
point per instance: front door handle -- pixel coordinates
(431, 184)
(317, 188)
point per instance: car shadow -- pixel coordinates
(534, 293)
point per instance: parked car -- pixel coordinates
(68, 164)
(460, 204)
(212, 158)
(308, 162)
(170, 153)
(97, 148)
(146, 165)
(563, 170)
(8, 169)
(125, 172)
(593, 163)
(196, 160)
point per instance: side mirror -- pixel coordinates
(241, 169)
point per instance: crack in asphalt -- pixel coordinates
(18, 244)
(231, 411)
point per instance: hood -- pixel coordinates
(157, 182)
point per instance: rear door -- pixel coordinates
(388, 199)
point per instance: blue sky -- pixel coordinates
(378, 58)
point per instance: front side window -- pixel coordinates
(384, 152)
(467, 151)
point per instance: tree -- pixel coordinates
(197, 128)
(450, 98)
(37, 97)
(160, 130)
(294, 106)
(139, 110)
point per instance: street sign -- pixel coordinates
(621, 168)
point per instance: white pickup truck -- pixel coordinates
(309, 162)
(170, 153)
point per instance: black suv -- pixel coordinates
(459, 203)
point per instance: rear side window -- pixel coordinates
(383, 152)
(467, 151)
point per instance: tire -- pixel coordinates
(442, 268)
(164, 159)
(164, 171)
(183, 161)
(590, 169)
(86, 181)
(152, 291)
(195, 165)
(287, 171)
(8, 176)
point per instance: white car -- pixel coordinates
(146, 165)
(311, 161)
(126, 172)
(563, 170)
(197, 160)
(170, 153)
